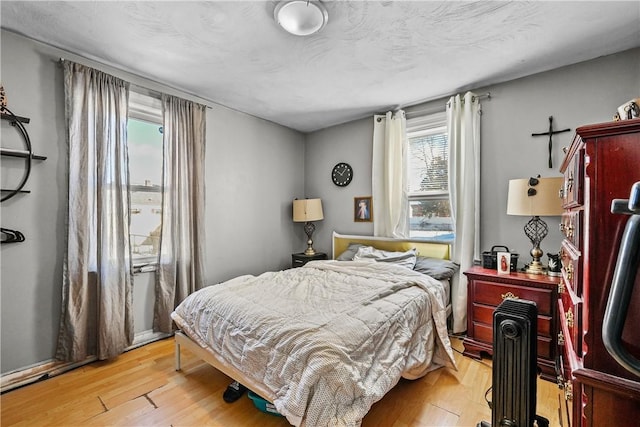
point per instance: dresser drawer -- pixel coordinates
(483, 314)
(571, 267)
(484, 333)
(491, 293)
(566, 384)
(572, 190)
(570, 319)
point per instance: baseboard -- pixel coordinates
(50, 368)
(38, 372)
(146, 337)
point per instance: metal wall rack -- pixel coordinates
(8, 235)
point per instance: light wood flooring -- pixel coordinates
(141, 388)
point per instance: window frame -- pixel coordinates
(421, 126)
(145, 107)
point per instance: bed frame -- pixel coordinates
(340, 243)
(214, 360)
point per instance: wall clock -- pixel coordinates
(342, 174)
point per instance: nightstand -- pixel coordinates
(485, 291)
(300, 259)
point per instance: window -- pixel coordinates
(144, 133)
(429, 208)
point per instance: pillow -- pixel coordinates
(350, 252)
(439, 269)
(405, 259)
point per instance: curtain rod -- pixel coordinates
(486, 95)
(183, 95)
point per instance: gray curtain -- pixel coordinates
(97, 318)
(181, 266)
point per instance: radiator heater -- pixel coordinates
(514, 366)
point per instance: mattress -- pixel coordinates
(328, 339)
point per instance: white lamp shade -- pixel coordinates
(306, 210)
(546, 201)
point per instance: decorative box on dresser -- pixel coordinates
(601, 164)
(486, 289)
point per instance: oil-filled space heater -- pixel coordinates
(515, 370)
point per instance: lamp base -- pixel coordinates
(536, 230)
(309, 228)
(535, 267)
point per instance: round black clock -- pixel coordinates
(342, 174)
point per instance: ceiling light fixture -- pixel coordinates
(301, 17)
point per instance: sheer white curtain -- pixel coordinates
(181, 265)
(463, 126)
(389, 176)
(97, 318)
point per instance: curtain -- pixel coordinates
(181, 266)
(463, 126)
(97, 318)
(389, 176)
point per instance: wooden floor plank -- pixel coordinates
(137, 387)
(122, 415)
(141, 388)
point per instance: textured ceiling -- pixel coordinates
(372, 55)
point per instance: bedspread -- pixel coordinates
(329, 339)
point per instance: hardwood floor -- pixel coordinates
(141, 388)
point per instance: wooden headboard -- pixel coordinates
(426, 249)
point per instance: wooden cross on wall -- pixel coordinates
(551, 132)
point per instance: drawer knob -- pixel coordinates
(569, 318)
(509, 295)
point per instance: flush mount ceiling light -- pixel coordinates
(301, 17)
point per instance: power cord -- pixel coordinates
(486, 399)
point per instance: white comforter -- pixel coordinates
(328, 339)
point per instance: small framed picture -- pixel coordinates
(362, 209)
(504, 262)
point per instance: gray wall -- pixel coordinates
(349, 143)
(254, 169)
(31, 271)
(585, 93)
(581, 94)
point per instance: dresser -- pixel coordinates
(486, 289)
(601, 164)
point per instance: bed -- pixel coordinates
(325, 341)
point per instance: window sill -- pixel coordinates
(145, 267)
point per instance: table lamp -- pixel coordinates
(307, 211)
(535, 197)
